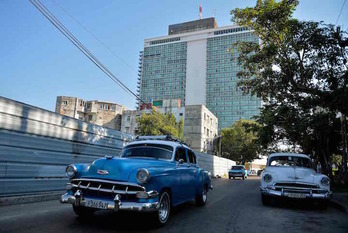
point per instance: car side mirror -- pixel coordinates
(181, 161)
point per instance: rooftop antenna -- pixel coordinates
(200, 11)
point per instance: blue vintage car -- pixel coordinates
(152, 174)
(237, 171)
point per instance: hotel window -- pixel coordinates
(65, 102)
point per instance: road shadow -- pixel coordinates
(127, 221)
(296, 204)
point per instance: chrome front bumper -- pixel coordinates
(284, 192)
(116, 205)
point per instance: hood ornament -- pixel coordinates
(102, 172)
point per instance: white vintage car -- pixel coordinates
(290, 175)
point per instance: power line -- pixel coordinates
(48, 15)
(94, 36)
(84, 50)
(339, 15)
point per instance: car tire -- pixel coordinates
(202, 199)
(83, 212)
(161, 216)
(229, 177)
(266, 200)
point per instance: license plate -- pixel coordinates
(96, 204)
(297, 195)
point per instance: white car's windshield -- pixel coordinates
(236, 167)
(290, 161)
(156, 151)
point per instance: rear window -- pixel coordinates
(157, 151)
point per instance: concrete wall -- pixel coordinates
(36, 145)
(196, 70)
(216, 165)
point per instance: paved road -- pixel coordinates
(233, 206)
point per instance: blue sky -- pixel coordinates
(37, 63)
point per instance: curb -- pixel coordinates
(338, 205)
(30, 198)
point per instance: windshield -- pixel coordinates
(156, 151)
(279, 161)
(237, 167)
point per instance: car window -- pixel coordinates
(237, 167)
(192, 156)
(148, 150)
(180, 154)
(281, 161)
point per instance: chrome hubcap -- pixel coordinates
(163, 211)
(204, 195)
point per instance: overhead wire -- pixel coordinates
(339, 15)
(49, 16)
(94, 36)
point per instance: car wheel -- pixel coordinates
(83, 212)
(229, 177)
(202, 199)
(265, 200)
(161, 216)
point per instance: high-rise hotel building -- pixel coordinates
(195, 63)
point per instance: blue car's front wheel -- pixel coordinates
(162, 215)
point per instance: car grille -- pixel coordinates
(298, 188)
(296, 185)
(105, 187)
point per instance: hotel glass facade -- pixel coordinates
(223, 97)
(198, 67)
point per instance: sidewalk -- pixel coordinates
(30, 198)
(340, 201)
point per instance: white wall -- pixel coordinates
(216, 165)
(196, 72)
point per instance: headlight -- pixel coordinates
(143, 175)
(70, 171)
(267, 178)
(325, 181)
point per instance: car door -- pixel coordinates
(182, 172)
(192, 171)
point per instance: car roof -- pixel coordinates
(289, 154)
(159, 142)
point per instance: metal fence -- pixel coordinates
(36, 145)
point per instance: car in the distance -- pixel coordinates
(259, 172)
(290, 175)
(152, 175)
(237, 171)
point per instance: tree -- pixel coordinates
(157, 123)
(240, 142)
(299, 70)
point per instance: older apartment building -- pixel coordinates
(98, 112)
